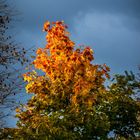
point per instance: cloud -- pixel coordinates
(38, 11)
(113, 42)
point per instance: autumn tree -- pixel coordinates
(65, 96)
(12, 57)
(70, 99)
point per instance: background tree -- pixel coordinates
(121, 106)
(12, 55)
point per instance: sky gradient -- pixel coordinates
(110, 27)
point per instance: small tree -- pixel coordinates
(63, 105)
(11, 56)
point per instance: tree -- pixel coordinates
(121, 106)
(70, 98)
(65, 96)
(11, 56)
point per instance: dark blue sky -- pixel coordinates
(110, 27)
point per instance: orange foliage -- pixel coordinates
(68, 71)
